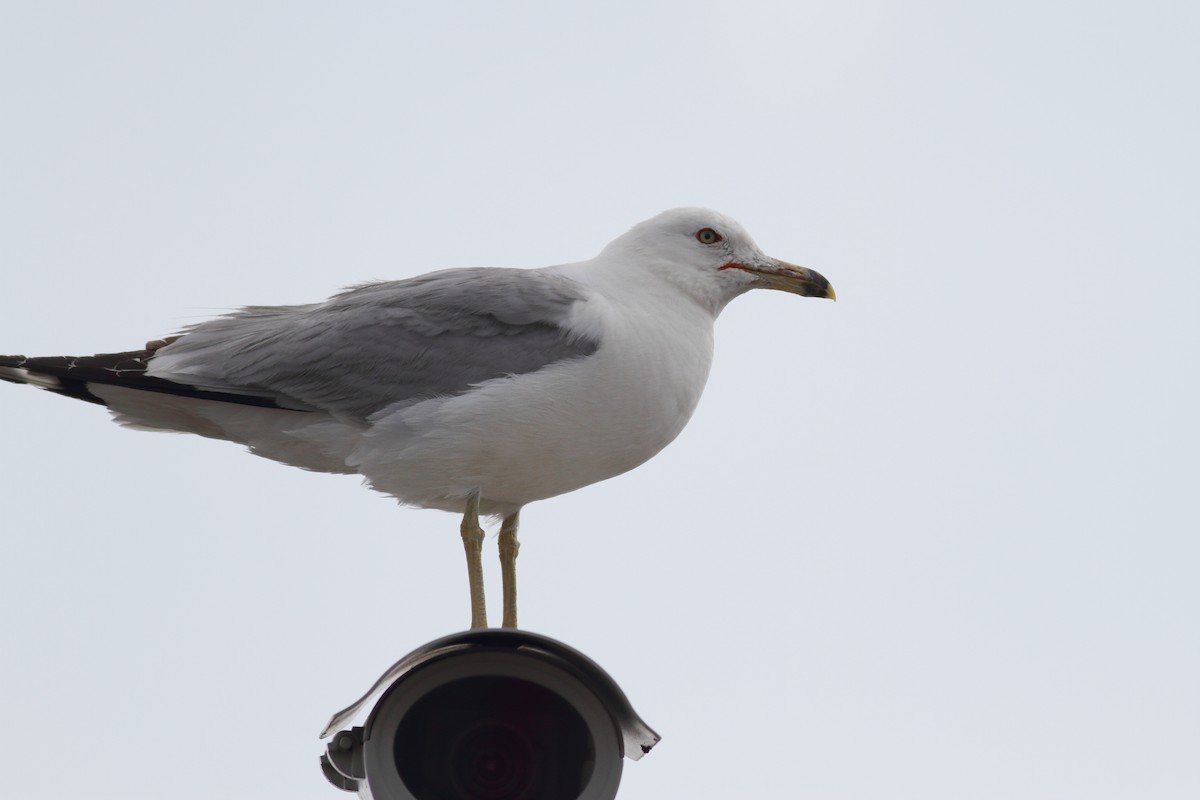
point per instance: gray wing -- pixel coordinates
(382, 343)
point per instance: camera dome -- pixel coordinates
(489, 715)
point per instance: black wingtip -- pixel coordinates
(52, 374)
(71, 376)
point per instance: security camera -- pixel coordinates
(494, 714)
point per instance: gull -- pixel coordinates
(475, 391)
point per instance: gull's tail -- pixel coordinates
(137, 400)
(81, 376)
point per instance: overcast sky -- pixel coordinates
(936, 540)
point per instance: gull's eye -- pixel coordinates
(708, 236)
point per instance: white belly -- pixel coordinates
(533, 436)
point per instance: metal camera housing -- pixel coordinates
(494, 713)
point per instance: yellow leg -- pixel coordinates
(509, 547)
(472, 536)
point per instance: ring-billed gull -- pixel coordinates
(474, 391)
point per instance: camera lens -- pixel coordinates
(493, 738)
(493, 761)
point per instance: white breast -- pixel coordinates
(529, 437)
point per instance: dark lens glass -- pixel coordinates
(492, 761)
(494, 738)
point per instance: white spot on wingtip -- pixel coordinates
(22, 375)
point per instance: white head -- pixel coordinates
(710, 257)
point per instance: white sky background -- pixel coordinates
(936, 540)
